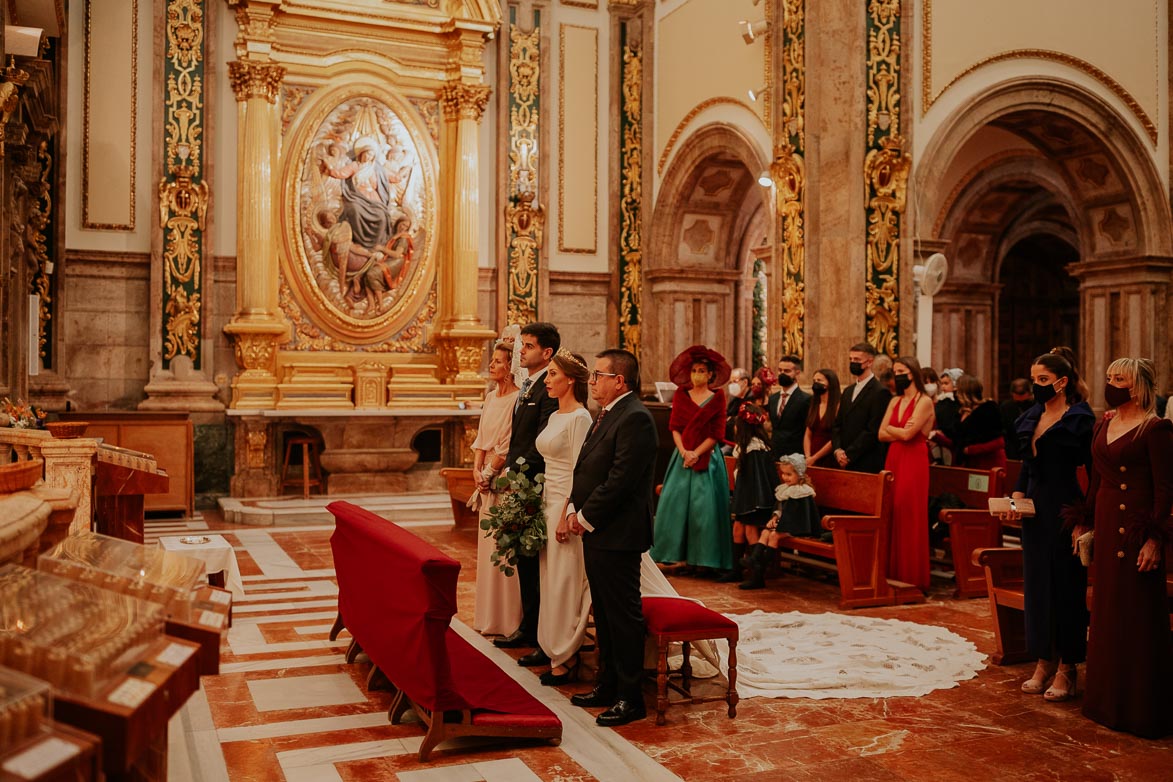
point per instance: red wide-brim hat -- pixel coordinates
(681, 370)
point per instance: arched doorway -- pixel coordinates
(1034, 272)
(1050, 208)
(699, 267)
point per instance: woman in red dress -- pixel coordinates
(906, 425)
(1130, 654)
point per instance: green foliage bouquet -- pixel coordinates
(518, 521)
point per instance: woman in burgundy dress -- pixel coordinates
(906, 425)
(1130, 654)
(816, 444)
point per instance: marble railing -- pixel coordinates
(69, 464)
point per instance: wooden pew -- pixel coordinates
(857, 508)
(1003, 573)
(971, 527)
(461, 485)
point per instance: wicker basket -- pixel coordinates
(67, 430)
(17, 476)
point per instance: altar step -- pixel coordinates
(422, 509)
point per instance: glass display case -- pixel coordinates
(25, 707)
(145, 572)
(74, 635)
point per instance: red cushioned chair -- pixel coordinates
(677, 619)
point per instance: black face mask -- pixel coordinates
(856, 368)
(818, 389)
(1116, 396)
(902, 383)
(786, 381)
(1043, 394)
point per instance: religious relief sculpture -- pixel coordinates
(362, 208)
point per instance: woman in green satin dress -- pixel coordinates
(692, 518)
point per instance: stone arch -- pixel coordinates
(1076, 173)
(710, 215)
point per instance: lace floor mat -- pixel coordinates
(797, 655)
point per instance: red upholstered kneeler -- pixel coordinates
(672, 619)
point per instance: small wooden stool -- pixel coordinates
(672, 619)
(311, 468)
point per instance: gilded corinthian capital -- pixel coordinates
(255, 79)
(464, 101)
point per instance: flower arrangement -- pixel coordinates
(22, 415)
(517, 522)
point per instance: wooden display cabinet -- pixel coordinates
(166, 436)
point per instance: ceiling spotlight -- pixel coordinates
(764, 179)
(753, 30)
(756, 95)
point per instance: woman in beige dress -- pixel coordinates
(498, 599)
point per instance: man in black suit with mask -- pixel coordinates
(788, 408)
(539, 343)
(611, 507)
(861, 411)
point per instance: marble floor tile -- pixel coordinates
(301, 692)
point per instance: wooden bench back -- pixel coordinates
(845, 491)
(973, 487)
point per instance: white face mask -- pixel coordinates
(931, 389)
(734, 389)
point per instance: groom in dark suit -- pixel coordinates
(854, 435)
(539, 343)
(611, 507)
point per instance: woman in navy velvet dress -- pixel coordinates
(1130, 650)
(1056, 436)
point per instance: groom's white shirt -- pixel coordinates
(570, 506)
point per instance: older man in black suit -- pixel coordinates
(788, 407)
(539, 343)
(861, 411)
(611, 507)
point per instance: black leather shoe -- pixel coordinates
(533, 659)
(516, 640)
(622, 713)
(596, 697)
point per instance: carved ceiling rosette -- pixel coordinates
(359, 210)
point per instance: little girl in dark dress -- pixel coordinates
(794, 515)
(757, 477)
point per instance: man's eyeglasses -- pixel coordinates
(596, 374)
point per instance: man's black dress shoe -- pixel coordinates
(596, 697)
(533, 659)
(516, 640)
(622, 713)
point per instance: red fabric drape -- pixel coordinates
(696, 423)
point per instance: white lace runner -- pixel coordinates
(797, 655)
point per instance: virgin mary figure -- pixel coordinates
(367, 202)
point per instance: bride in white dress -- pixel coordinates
(566, 599)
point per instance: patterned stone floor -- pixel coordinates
(286, 706)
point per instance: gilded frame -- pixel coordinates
(294, 262)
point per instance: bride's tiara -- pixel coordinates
(566, 354)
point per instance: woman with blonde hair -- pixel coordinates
(1130, 495)
(498, 598)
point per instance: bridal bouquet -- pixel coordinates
(517, 522)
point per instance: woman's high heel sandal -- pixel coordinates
(551, 679)
(1065, 687)
(1044, 672)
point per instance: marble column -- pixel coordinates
(257, 329)
(462, 336)
(1125, 307)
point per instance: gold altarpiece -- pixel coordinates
(357, 222)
